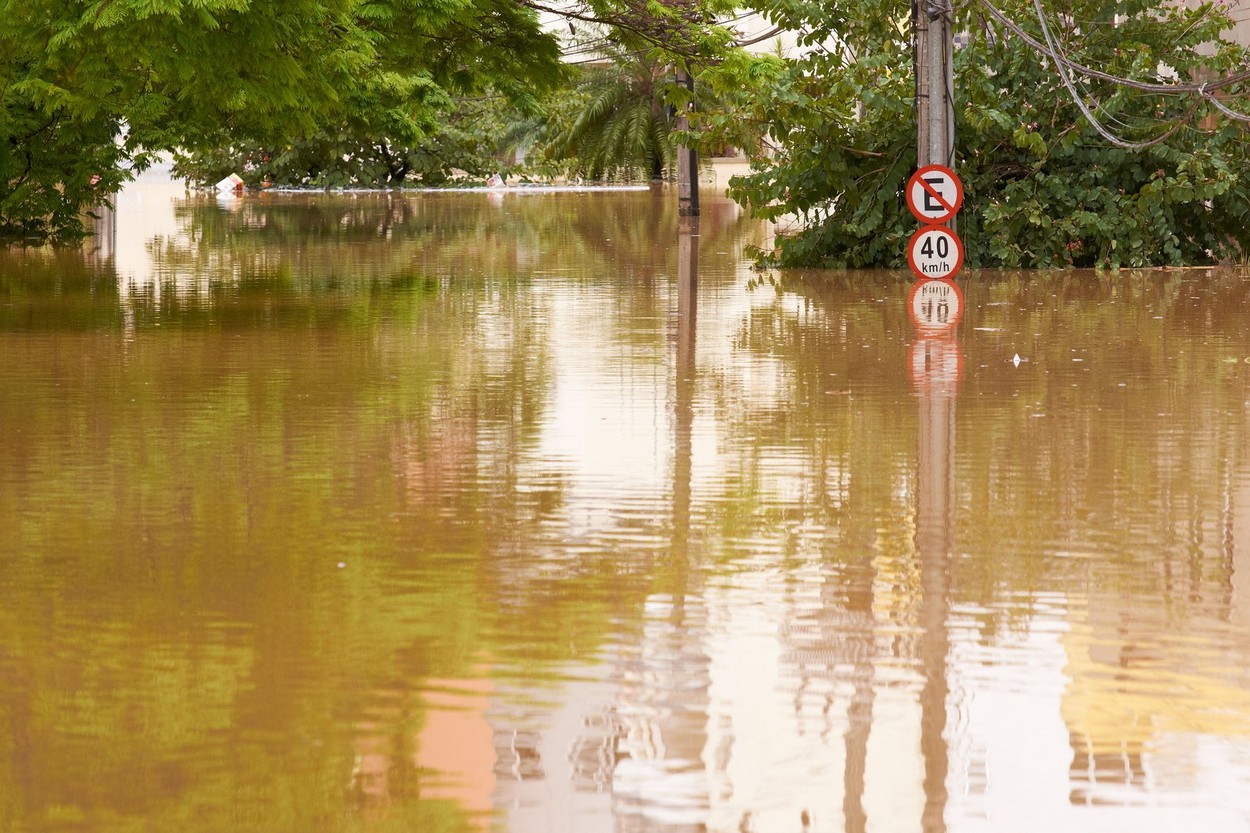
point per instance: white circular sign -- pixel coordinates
(935, 252)
(934, 194)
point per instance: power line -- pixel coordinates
(1232, 114)
(776, 30)
(1161, 89)
(1080, 102)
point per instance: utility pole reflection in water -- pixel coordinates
(102, 243)
(689, 627)
(860, 636)
(683, 407)
(660, 782)
(936, 363)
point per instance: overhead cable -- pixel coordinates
(1080, 102)
(776, 30)
(1145, 86)
(1219, 105)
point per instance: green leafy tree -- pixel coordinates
(1043, 187)
(610, 116)
(472, 136)
(89, 91)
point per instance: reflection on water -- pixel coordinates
(547, 513)
(936, 363)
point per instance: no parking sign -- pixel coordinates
(934, 194)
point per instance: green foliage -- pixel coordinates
(611, 119)
(618, 118)
(615, 120)
(93, 89)
(470, 137)
(478, 138)
(1043, 189)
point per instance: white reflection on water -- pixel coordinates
(144, 211)
(794, 707)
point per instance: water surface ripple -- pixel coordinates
(514, 512)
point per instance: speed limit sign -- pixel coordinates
(935, 252)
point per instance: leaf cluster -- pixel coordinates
(615, 120)
(611, 118)
(94, 89)
(1042, 187)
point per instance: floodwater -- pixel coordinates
(527, 513)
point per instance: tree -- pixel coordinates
(89, 92)
(469, 136)
(610, 116)
(615, 119)
(1043, 187)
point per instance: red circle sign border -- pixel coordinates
(911, 298)
(915, 179)
(959, 253)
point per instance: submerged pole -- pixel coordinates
(687, 157)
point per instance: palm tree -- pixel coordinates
(613, 121)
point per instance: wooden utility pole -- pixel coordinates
(687, 158)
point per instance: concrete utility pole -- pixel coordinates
(687, 158)
(920, 68)
(935, 111)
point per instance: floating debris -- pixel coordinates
(231, 185)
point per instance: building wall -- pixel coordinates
(1239, 10)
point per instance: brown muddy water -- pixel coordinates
(515, 512)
